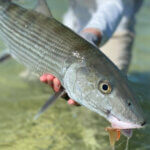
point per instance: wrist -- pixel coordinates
(95, 32)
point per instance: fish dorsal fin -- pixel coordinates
(42, 7)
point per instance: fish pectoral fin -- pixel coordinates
(50, 101)
(4, 55)
(42, 7)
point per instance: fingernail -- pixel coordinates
(57, 88)
(49, 77)
(42, 79)
(70, 102)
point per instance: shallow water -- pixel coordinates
(63, 127)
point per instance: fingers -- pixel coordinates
(46, 77)
(56, 85)
(50, 78)
(72, 102)
(43, 78)
(52, 81)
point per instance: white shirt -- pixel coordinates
(105, 15)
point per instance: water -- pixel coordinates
(64, 127)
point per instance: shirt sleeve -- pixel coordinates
(107, 17)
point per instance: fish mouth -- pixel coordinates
(117, 124)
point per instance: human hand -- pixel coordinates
(56, 85)
(92, 35)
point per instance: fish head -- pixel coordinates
(102, 88)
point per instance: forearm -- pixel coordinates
(106, 19)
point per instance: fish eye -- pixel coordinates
(129, 103)
(105, 87)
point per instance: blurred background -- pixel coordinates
(64, 127)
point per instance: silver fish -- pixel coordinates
(41, 7)
(46, 46)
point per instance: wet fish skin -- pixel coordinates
(46, 46)
(41, 7)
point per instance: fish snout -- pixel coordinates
(118, 124)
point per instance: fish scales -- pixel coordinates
(51, 28)
(21, 46)
(40, 39)
(46, 46)
(35, 32)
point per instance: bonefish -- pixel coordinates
(44, 45)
